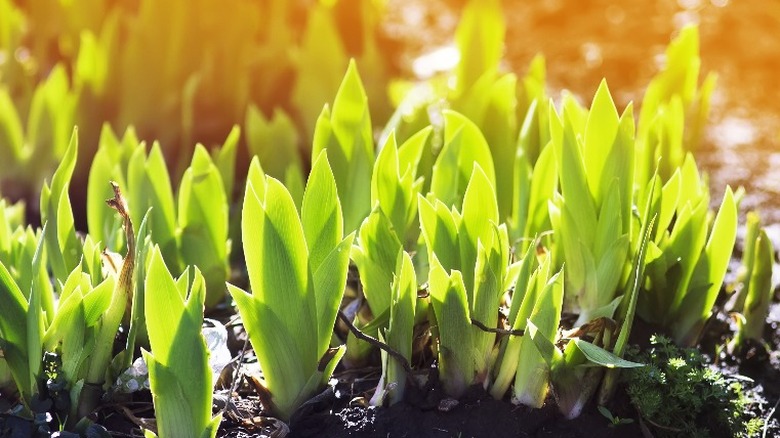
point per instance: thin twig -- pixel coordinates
(768, 419)
(499, 331)
(376, 343)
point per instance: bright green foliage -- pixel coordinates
(297, 269)
(203, 224)
(533, 369)
(686, 262)
(389, 227)
(75, 333)
(109, 164)
(464, 145)
(679, 395)
(590, 217)
(573, 375)
(745, 272)
(480, 38)
(456, 343)
(13, 334)
(674, 109)
(375, 253)
(472, 244)
(191, 231)
(17, 252)
(394, 188)
(275, 142)
(62, 246)
(759, 290)
(179, 372)
(535, 176)
(346, 133)
(31, 153)
(399, 332)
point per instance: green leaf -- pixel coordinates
(225, 160)
(600, 356)
(321, 212)
(203, 223)
(274, 141)
(536, 357)
(480, 215)
(346, 132)
(375, 255)
(393, 190)
(440, 231)
(759, 295)
(179, 373)
(13, 328)
(450, 305)
(400, 329)
(707, 276)
(480, 40)
(62, 244)
(11, 131)
(464, 145)
(329, 278)
(600, 131)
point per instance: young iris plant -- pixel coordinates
(297, 270)
(192, 232)
(179, 372)
(591, 216)
(469, 269)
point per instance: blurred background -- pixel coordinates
(187, 71)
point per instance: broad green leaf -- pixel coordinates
(346, 133)
(759, 295)
(279, 351)
(276, 257)
(61, 241)
(393, 188)
(400, 329)
(225, 160)
(375, 255)
(600, 132)
(480, 40)
(274, 141)
(13, 328)
(179, 372)
(480, 214)
(450, 304)
(203, 223)
(11, 131)
(329, 280)
(321, 212)
(532, 378)
(600, 356)
(707, 276)
(464, 145)
(440, 232)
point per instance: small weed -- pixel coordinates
(678, 395)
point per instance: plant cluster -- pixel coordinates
(680, 395)
(483, 223)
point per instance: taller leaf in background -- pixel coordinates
(62, 246)
(674, 97)
(480, 39)
(346, 132)
(297, 269)
(464, 146)
(203, 224)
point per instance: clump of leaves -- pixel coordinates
(678, 395)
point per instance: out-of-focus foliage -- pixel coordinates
(174, 70)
